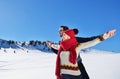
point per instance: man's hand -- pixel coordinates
(109, 34)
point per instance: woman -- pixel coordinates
(66, 63)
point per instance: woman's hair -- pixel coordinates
(75, 31)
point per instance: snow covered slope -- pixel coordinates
(36, 64)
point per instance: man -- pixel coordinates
(80, 40)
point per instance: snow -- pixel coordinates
(36, 64)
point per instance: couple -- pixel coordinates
(68, 62)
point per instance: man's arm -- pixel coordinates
(82, 39)
(54, 50)
(54, 47)
(105, 36)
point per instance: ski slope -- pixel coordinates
(34, 64)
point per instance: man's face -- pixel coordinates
(61, 31)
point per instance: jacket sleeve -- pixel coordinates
(55, 48)
(91, 43)
(82, 39)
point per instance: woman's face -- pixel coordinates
(65, 37)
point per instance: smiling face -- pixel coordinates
(65, 37)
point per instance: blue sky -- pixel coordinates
(24, 20)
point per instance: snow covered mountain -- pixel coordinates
(33, 45)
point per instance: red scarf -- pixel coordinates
(67, 45)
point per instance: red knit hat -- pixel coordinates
(70, 32)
